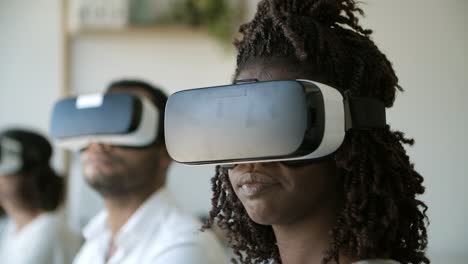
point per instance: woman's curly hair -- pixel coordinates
(381, 216)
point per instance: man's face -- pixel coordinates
(113, 170)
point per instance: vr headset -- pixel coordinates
(11, 160)
(118, 119)
(288, 121)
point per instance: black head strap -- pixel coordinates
(363, 112)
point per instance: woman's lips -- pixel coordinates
(254, 184)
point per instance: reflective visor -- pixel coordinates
(244, 122)
(116, 119)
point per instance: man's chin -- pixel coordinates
(108, 185)
(101, 186)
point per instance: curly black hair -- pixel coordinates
(381, 216)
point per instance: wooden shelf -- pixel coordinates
(138, 30)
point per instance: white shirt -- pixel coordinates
(46, 240)
(157, 233)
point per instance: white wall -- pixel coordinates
(427, 42)
(30, 62)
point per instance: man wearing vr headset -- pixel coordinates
(121, 138)
(308, 172)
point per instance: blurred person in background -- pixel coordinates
(31, 194)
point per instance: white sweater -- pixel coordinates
(46, 240)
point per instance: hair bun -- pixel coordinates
(327, 12)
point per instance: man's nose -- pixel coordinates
(98, 147)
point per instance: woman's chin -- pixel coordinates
(262, 213)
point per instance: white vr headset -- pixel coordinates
(288, 121)
(119, 119)
(11, 160)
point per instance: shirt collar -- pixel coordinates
(146, 218)
(96, 227)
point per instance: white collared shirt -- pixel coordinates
(157, 233)
(45, 240)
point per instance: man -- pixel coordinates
(140, 223)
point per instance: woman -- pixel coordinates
(31, 193)
(357, 206)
